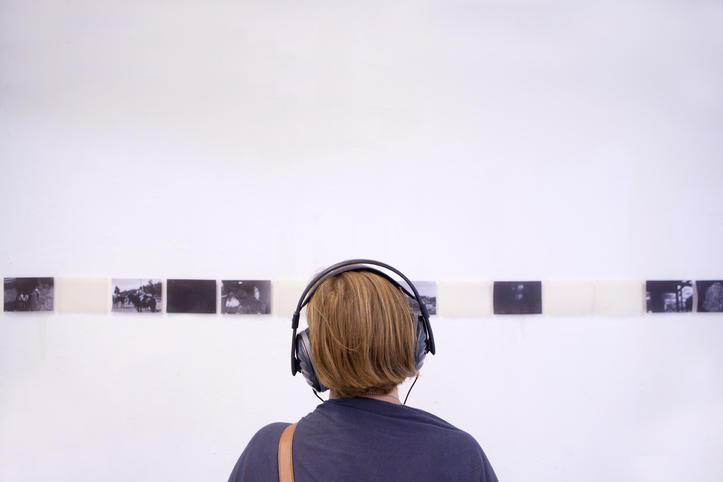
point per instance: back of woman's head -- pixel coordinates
(362, 334)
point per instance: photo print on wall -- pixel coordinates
(246, 297)
(517, 297)
(428, 292)
(669, 296)
(191, 296)
(137, 295)
(29, 294)
(710, 296)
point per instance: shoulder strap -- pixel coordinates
(286, 458)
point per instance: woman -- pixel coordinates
(364, 343)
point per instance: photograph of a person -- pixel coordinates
(517, 297)
(137, 295)
(710, 296)
(246, 297)
(191, 296)
(361, 344)
(428, 293)
(29, 294)
(669, 296)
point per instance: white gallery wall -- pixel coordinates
(458, 141)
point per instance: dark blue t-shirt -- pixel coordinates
(364, 439)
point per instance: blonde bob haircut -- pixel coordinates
(362, 334)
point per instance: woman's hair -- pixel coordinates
(362, 334)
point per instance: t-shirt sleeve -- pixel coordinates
(469, 462)
(489, 474)
(480, 467)
(259, 461)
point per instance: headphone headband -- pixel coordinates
(359, 265)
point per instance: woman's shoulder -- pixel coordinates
(367, 419)
(258, 462)
(374, 435)
(269, 435)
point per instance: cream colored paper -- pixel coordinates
(620, 297)
(568, 297)
(464, 298)
(286, 296)
(82, 295)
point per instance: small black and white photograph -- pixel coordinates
(191, 296)
(517, 297)
(29, 294)
(246, 297)
(428, 293)
(140, 295)
(669, 296)
(710, 296)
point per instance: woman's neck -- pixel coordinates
(391, 397)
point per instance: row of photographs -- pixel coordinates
(254, 296)
(146, 296)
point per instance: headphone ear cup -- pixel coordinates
(421, 350)
(306, 364)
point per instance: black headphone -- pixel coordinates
(301, 360)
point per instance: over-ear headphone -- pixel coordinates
(301, 360)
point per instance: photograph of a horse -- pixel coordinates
(137, 296)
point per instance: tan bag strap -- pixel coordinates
(286, 457)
